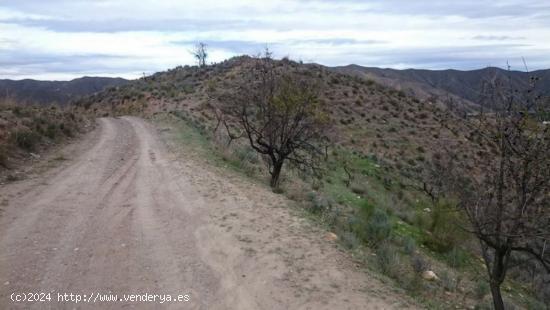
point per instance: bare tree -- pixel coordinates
(277, 111)
(508, 205)
(200, 53)
(349, 173)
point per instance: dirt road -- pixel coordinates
(125, 215)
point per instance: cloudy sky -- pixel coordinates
(57, 39)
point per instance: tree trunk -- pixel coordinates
(497, 296)
(277, 167)
(497, 275)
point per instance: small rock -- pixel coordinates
(330, 236)
(76, 249)
(429, 275)
(427, 210)
(7, 283)
(34, 155)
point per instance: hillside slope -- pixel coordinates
(28, 130)
(463, 86)
(369, 117)
(384, 136)
(62, 92)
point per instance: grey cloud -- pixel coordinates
(466, 8)
(71, 16)
(339, 41)
(24, 63)
(122, 25)
(15, 57)
(472, 57)
(252, 47)
(496, 38)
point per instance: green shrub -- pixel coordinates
(448, 282)
(311, 196)
(378, 227)
(415, 284)
(247, 155)
(188, 89)
(419, 264)
(18, 111)
(388, 259)
(444, 231)
(51, 131)
(25, 139)
(457, 258)
(319, 203)
(350, 240)
(481, 289)
(422, 219)
(38, 120)
(333, 218)
(484, 305)
(409, 245)
(67, 131)
(533, 304)
(356, 224)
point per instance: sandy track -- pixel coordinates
(126, 215)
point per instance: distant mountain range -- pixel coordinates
(462, 86)
(62, 92)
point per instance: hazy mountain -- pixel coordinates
(465, 86)
(55, 91)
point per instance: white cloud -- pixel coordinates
(126, 37)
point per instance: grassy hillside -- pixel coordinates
(28, 130)
(389, 228)
(375, 120)
(381, 139)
